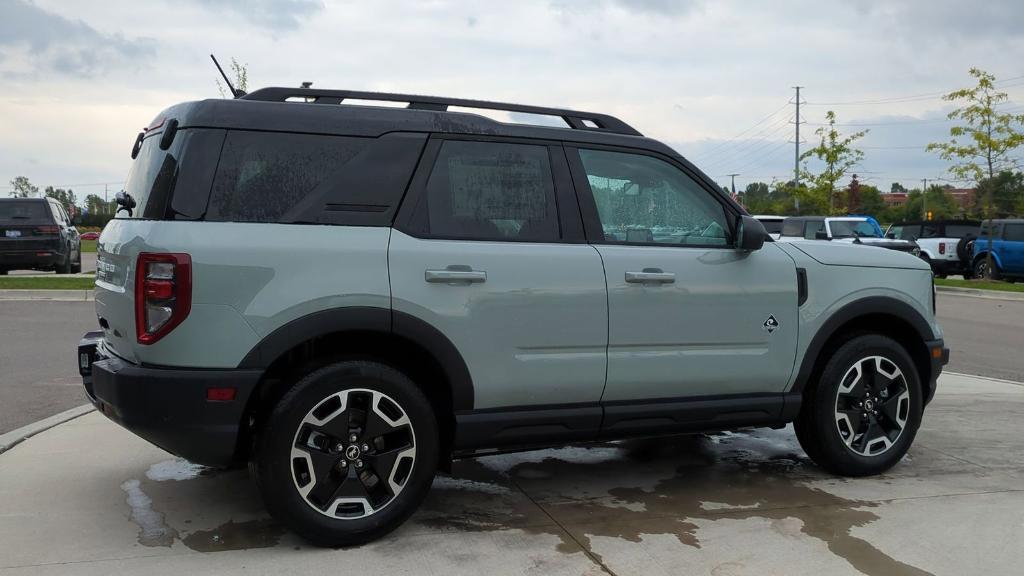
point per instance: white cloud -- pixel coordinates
(692, 73)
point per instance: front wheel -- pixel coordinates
(983, 271)
(862, 416)
(348, 453)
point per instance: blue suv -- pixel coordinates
(1007, 248)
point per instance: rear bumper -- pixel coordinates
(169, 406)
(41, 258)
(938, 355)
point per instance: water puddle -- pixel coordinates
(152, 529)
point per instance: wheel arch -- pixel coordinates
(877, 314)
(984, 253)
(395, 338)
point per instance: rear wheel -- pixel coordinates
(3, 272)
(348, 453)
(862, 416)
(77, 266)
(983, 271)
(64, 266)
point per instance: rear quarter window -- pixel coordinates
(262, 175)
(1014, 233)
(793, 228)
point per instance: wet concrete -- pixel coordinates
(725, 504)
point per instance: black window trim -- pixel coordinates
(569, 218)
(588, 207)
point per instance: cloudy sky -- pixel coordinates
(711, 78)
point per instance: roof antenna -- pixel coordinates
(234, 91)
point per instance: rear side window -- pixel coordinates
(1014, 232)
(812, 229)
(930, 231)
(961, 230)
(23, 211)
(490, 191)
(262, 175)
(772, 226)
(793, 228)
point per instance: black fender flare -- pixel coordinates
(863, 307)
(368, 319)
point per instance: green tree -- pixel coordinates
(871, 202)
(982, 146)
(757, 199)
(240, 78)
(838, 155)
(65, 197)
(22, 188)
(1005, 192)
(896, 187)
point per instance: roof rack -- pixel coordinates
(574, 118)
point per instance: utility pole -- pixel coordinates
(733, 185)
(796, 150)
(924, 198)
(105, 188)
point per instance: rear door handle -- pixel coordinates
(651, 276)
(455, 275)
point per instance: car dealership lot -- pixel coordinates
(87, 497)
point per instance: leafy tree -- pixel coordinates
(896, 187)
(22, 188)
(96, 205)
(1005, 192)
(936, 200)
(757, 198)
(240, 74)
(65, 197)
(871, 202)
(838, 155)
(982, 146)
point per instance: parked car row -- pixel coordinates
(950, 247)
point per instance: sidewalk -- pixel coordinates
(87, 497)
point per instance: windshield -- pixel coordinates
(772, 226)
(852, 229)
(23, 210)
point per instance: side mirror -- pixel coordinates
(751, 234)
(821, 235)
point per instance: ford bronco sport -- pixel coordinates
(350, 296)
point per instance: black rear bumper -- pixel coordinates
(169, 406)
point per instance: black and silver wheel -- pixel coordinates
(863, 414)
(348, 453)
(64, 266)
(983, 271)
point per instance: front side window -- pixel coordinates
(645, 200)
(792, 227)
(490, 191)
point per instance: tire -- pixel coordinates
(965, 247)
(300, 451)
(831, 428)
(77, 266)
(3, 272)
(983, 272)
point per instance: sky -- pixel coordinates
(713, 79)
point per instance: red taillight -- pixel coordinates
(163, 294)
(41, 230)
(942, 247)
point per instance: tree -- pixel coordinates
(757, 198)
(872, 203)
(982, 146)
(22, 188)
(896, 188)
(1005, 192)
(240, 80)
(838, 155)
(65, 197)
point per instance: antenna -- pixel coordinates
(234, 91)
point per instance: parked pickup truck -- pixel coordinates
(944, 243)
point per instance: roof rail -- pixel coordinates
(574, 118)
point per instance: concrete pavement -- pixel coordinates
(90, 498)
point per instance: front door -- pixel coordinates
(689, 315)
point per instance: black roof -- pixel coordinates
(941, 222)
(313, 111)
(1006, 221)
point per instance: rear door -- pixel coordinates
(1013, 248)
(489, 249)
(689, 315)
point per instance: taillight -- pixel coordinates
(163, 294)
(942, 247)
(46, 229)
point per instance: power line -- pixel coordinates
(749, 146)
(756, 124)
(913, 97)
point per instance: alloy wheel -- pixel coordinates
(353, 453)
(872, 406)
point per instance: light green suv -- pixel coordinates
(350, 297)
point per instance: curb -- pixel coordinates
(979, 293)
(15, 437)
(989, 378)
(54, 295)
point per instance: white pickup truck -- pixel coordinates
(848, 229)
(943, 243)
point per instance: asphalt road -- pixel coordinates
(39, 378)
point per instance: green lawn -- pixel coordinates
(980, 284)
(46, 283)
(88, 245)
